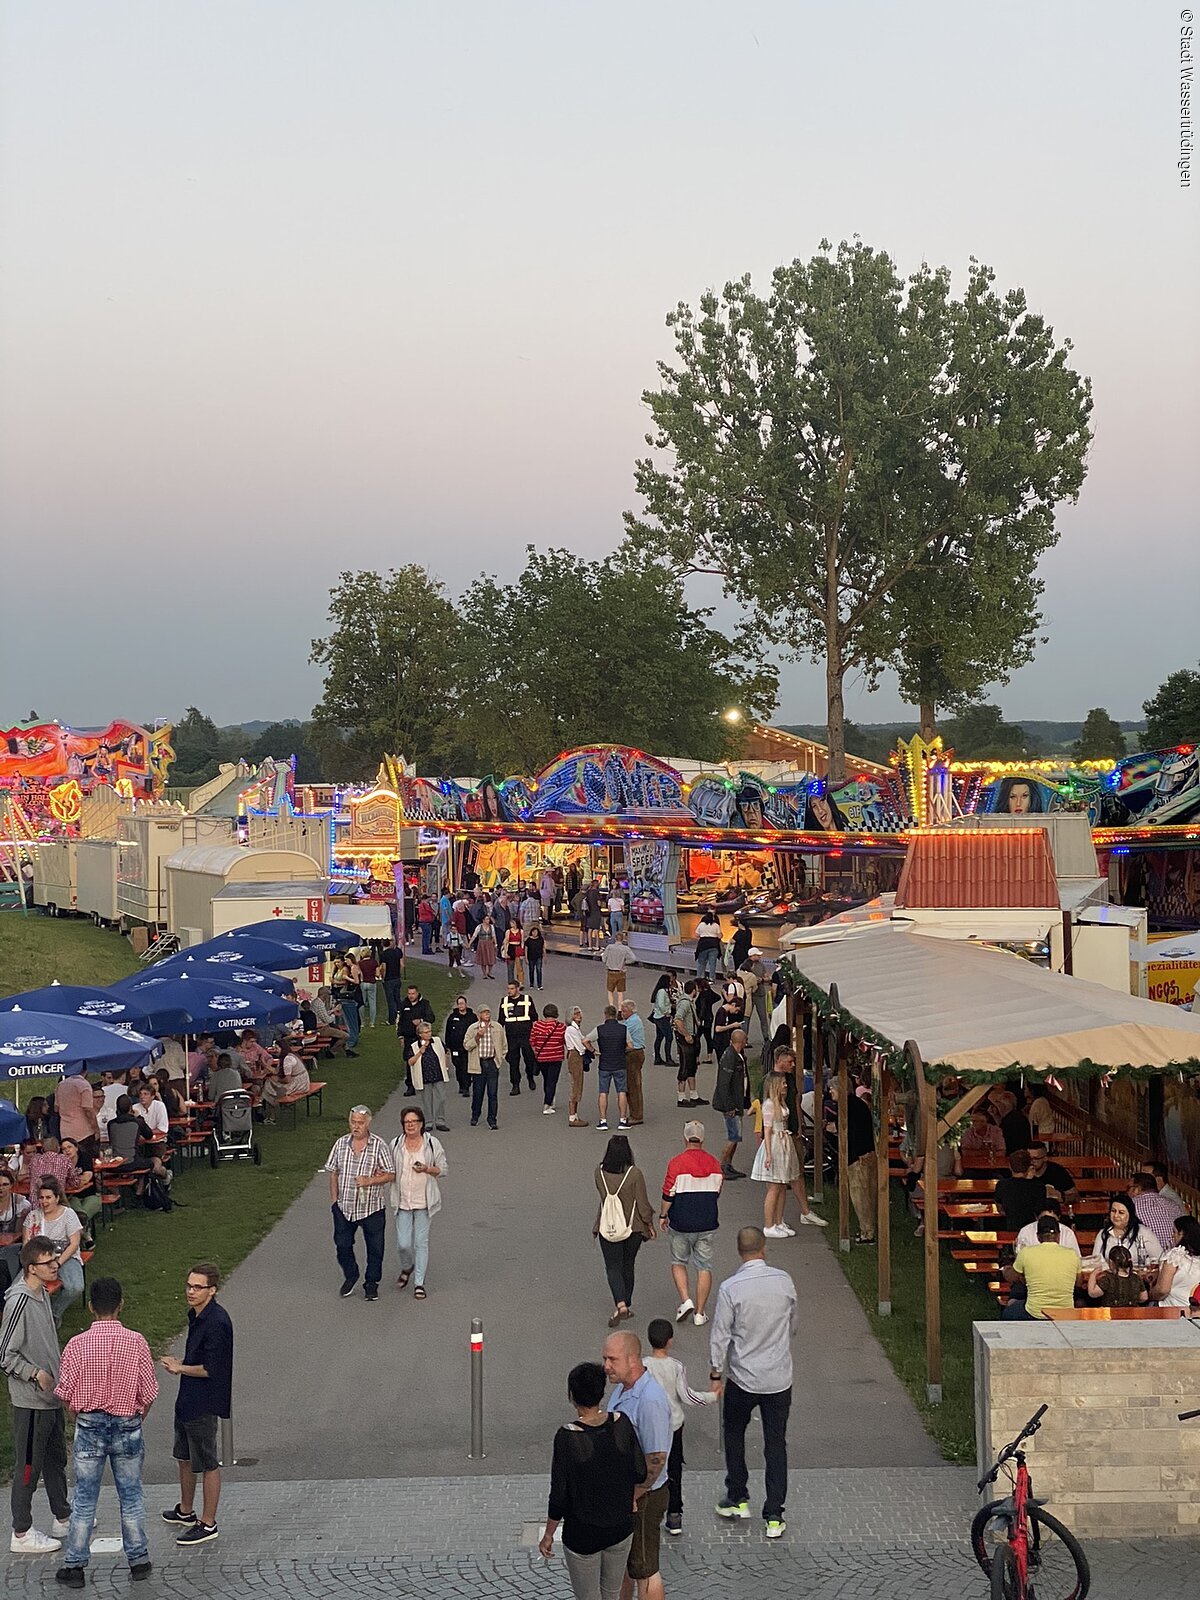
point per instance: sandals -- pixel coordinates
(419, 1292)
(402, 1280)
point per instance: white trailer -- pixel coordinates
(96, 873)
(146, 840)
(199, 878)
(54, 876)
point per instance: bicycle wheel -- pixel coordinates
(1058, 1568)
(1006, 1581)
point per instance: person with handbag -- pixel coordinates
(430, 1074)
(578, 1061)
(624, 1218)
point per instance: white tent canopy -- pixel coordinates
(981, 1011)
(369, 919)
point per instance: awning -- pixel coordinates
(369, 919)
(984, 1012)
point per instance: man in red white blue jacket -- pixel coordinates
(689, 1209)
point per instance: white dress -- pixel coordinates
(785, 1167)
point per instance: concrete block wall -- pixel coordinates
(1111, 1457)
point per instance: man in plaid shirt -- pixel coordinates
(107, 1378)
(361, 1168)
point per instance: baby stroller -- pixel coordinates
(233, 1130)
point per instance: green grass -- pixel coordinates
(221, 1215)
(902, 1335)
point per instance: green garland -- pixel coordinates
(899, 1063)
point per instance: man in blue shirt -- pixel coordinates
(205, 1395)
(645, 1403)
(635, 1060)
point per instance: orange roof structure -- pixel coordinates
(952, 870)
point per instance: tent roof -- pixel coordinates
(983, 1012)
(371, 919)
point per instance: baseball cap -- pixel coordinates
(694, 1130)
(754, 951)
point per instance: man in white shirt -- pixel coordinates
(153, 1114)
(1027, 1236)
(616, 912)
(616, 958)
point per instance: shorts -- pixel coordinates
(610, 1081)
(644, 1552)
(196, 1443)
(614, 982)
(733, 1128)
(696, 1248)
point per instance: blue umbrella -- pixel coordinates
(317, 935)
(34, 1044)
(272, 955)
(13, 1127)
(212, 971)
(79, 1000)
(181, 1004)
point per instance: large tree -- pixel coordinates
(199, 749)
(817, 447)
(574, 652)
(1100, 738)
(981, 734)
(391, 673)
(1173, 715)
(283, 739)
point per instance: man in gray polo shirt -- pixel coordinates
(751, 1350)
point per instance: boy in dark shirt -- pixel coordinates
(1019, 1196)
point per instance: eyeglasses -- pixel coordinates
(197, 1288)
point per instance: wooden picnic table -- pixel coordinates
(1113, 1313)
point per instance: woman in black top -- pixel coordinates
(597, 1465)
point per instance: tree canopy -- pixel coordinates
(1173, 715)
(1100, 738)
(818, 447)
(391, 673)
(575, 652)
(981, 734)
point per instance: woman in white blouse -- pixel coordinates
(415, 1195)
(1179, 1269)
(1122, 1227)
(576, 1045)
(430, 1072)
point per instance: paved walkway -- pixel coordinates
(853, 1534)
(513, 1244)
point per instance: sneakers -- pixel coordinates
(791, 1232)
(776, 1527)
(576, 1122)
(675, 1522)
(730, 1509)
(60, 1527)
(140, 1570)
(732, 1172)
(178, 1518)
(33, 1543)
(371, 1292)
(810, 1219)
(685, 1311)
(776, 1231)
(200, 1534)
(624, 1123)
(70, 1577)
(348, 1287)
(603, 1124)
(700, 1319)
(547, 1111)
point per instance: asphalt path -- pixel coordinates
(331, 1388)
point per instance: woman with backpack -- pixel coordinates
(624, 1218)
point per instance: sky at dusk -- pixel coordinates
(289, 287)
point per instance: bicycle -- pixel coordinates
(1027, 1553)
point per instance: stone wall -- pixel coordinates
(1111, 1457)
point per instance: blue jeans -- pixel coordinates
(426, 938)
(615, 923)
(487, 1078)
(391, 991)
(664, 1034)
(353, 1018)
(535, 972)
(412, 1242)
(100, 1437)
(343, 1243)
(70, 1275)
(371, 1000)
(706, 963)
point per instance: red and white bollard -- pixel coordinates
(477, 1450)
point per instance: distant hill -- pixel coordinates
(253, 730)
(872, 740)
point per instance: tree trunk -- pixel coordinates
(835, 712)
(928, 719)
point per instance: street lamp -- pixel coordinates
(733, 715)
